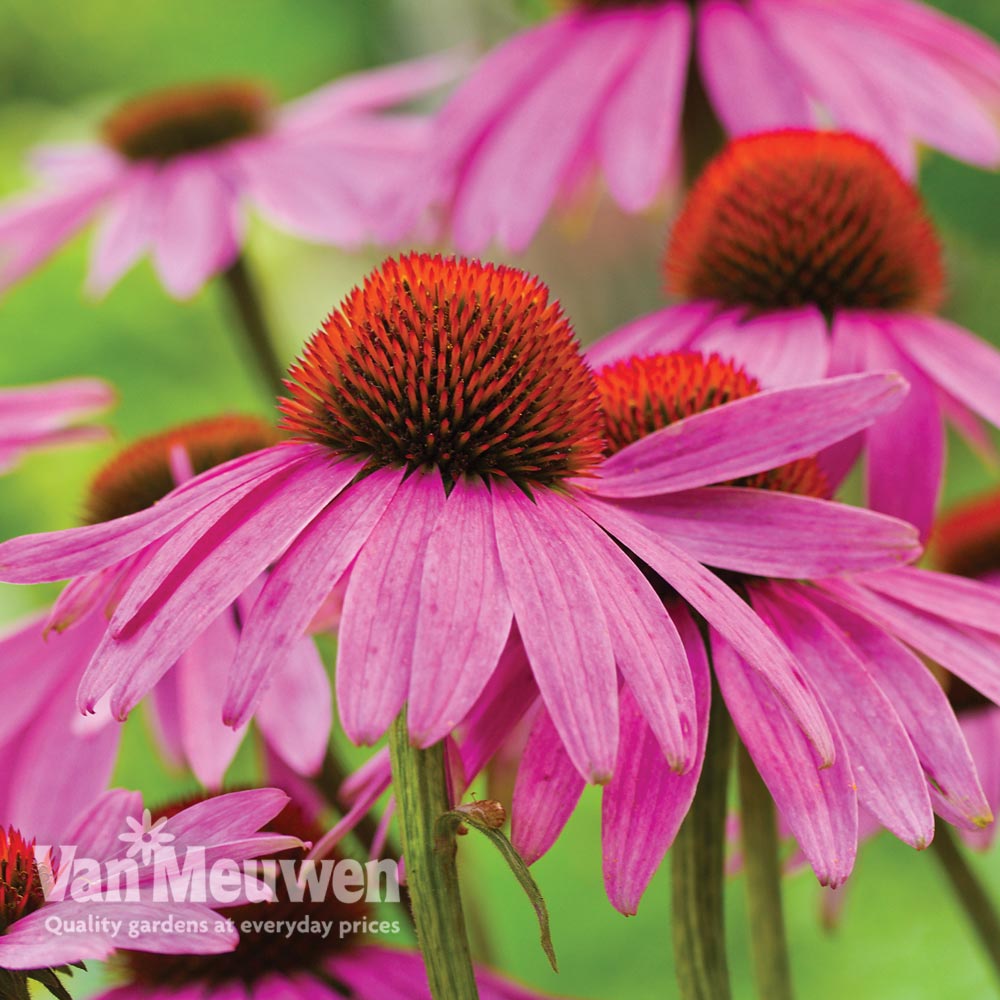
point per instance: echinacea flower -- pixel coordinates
(605, 86)
(449, 460)
(175, 168)
(325, 948)
(54, 916)
(40, 416)
(804, 254)
(966, 542)
(897, 749)
(57, 759)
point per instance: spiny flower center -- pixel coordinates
(643, 395)
(451, 363)
(20, 883)
(799, 218)
(144, 472)
(260, 954)
(967, 540)
(180, 120)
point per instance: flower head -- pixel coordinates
(451, 474)
(805, 254)
(174, 168)
(605, 87)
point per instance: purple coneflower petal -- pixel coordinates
(645, 803)
(888, 775)
(728, 613)
(981, 728)
(198, 229)
(819, 804)
(776, 534)
(464, 616)
(639, 123)
(95, 831)
(923, 708)
(379, 623)
(751, 85)
(657, 333)
(562, 622)
(751, 435)
(298, 585)
(547, 790)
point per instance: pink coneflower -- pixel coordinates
(57, 758)
(804, 254)
(449, 457)
(40, 416)
(897, 747)
(966, 541)
(603, 87)
(37, 903)
(174, 170)
(348, 962)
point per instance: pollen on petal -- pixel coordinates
(144, 472)
(797, 217)
(454, 364)
(645, 394)
(168, 123)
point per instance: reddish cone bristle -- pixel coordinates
(259, 954)
(643, 395)
(966, 541)
(181, 120)
(450, 363)
(20, 884)
(141, 475)
(805, 218)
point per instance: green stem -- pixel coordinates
(421, 786)
(698, 875)
(763, 874)
(253, 325)
(969, 891)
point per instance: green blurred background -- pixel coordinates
(62, 64)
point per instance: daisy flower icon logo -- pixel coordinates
(145, 836)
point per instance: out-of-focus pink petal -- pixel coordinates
(751, 86)
(562, 622)
(547, 790)
(464, 616)
(645, 803)
(198, 231)
(750, 435)
(886, 770)
(819, 803)
(640, 122)
(297, 586)
(378, 630)
(776, 534)
(661, 332)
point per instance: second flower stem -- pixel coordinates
(697, 868)
(253, 325)
(762, 867)
(421, 787)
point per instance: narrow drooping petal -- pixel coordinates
(775, 534)
(464, 616)
(296, 588)
(750, 435)
(750, 83)
(660, 332)
(981, 728)
(906, 446)
(923, 708)
(645, 803)
(729, 614)
(639, 123)
(198, 230)
(818, 803)
(375, 652)
(546, 793)
(886, 770)
(562, 624)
